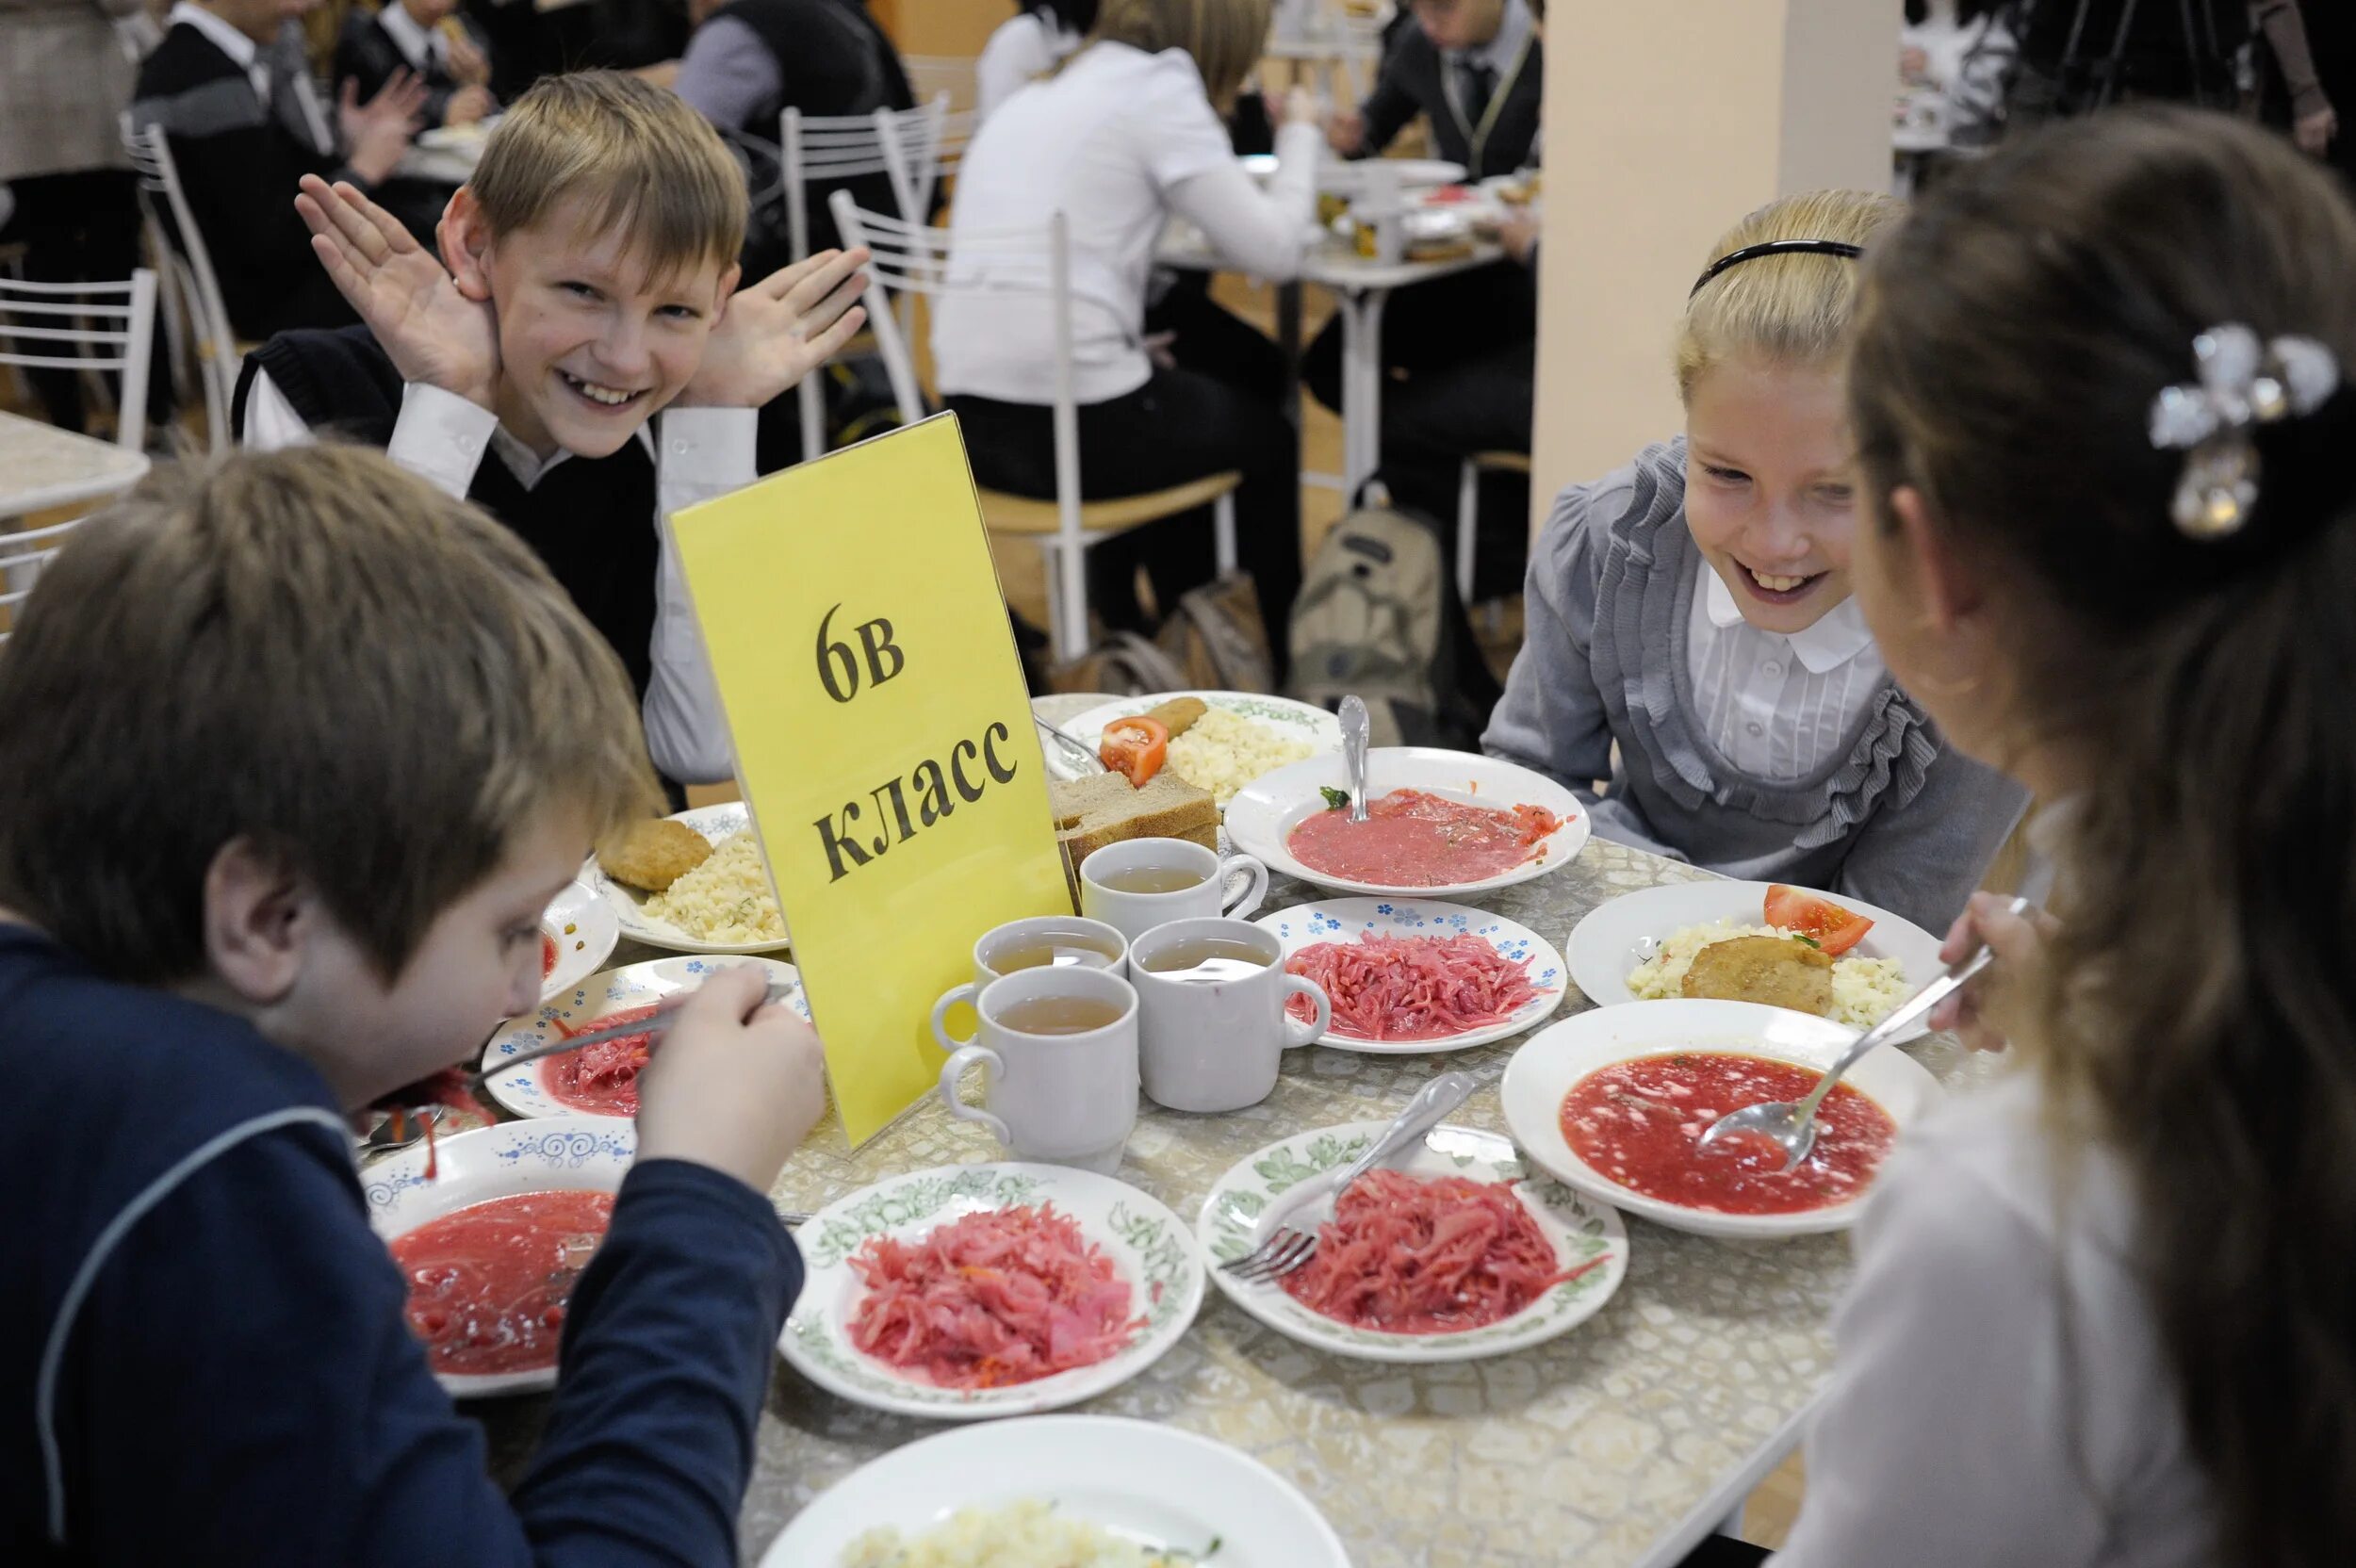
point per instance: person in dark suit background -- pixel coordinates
(425, 36)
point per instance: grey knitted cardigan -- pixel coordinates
(1894, 818)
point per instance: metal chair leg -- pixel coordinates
(1467, 523)
(1223, 531)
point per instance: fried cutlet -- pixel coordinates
(653, 853)
(1781, 971)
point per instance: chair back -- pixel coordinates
(21, 556)
(85, 326)
(173, 233)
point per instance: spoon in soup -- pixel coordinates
(1793, 1126)
(1357, 726)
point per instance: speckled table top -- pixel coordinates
(43, 466)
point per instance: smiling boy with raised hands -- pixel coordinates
(586, 283)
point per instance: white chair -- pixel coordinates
(912, 259)
(1469, 509)
(21, 556)
(904, 145)
(86, 326)
(180, 248)
(949, 76)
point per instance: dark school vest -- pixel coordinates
(590, 520)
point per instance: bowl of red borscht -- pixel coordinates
(1612, 1103)
(490, 1242)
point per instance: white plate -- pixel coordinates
(1606, 947)
(569, 1155)
(1352, 177)
(1559, 1056)
(1146, 1243)
(1342, 919)
(1240, 1207)
(1158, 1485)
(715, 823)
(525, 1091)
(1263, 813)
(585, 928)
(1299, 720)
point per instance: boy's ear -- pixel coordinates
(729, 281)
(257, 914)
(1950, 587)
(464, 236)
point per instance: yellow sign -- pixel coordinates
(883, 739)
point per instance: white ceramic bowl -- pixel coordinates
(1556, 1058)
(1298, 720)
(1263, 813)
(1156, 1483)
(1345, 920)
(554, 1154)
(716, 822)
(1607, 945)
(585, 928)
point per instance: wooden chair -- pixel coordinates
(913, 259)
(86, 326)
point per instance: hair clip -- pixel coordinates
(2242, 384)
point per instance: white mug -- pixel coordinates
(1062, 1098)
(999, 941)
(1216, 1044)
(1134, 914)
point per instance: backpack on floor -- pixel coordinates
(1378, 614)
(1213, 640)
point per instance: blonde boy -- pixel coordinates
(586, 283)
(298, 751)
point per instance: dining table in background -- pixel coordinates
(43, 468)
(1619, 1444)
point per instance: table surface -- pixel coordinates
(1595, 1448)
(1333, 263)
(41, 466)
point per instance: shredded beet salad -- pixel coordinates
(1406, 1255)
(1006, 1296)
(1412, 988)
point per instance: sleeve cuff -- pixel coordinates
(441, 437)
(708, 451)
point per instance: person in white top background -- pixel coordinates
(1040, 36)
(1126, 136)
(2104, 1313)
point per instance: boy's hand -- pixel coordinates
(434, 333)
(467, 64)
(466, 106)
(377, 133)
(731, 1092)
(1346, 131)
(2018, 940)
(770, 335)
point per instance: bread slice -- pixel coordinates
(1102, 810)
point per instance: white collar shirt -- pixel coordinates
(1778, 708)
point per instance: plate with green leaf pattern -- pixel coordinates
(1589, 1243)
(1148, 1246)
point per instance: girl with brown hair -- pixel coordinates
(2106, 1313)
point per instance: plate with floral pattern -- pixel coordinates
(1589, 1243)
(1149, 1246)
(1348, 920)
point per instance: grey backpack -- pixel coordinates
(1378, 614)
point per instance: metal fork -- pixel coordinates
(1288, 1247)
(654, 1025)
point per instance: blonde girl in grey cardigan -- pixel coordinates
(1692, 643)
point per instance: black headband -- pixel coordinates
(1775, 248)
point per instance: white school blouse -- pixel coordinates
(1024, 47)
(1998, 1394)
(1778, 708)
(1118, 141)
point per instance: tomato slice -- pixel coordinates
(1812, 915)
(1135, 747)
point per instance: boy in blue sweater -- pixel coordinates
(298, 751)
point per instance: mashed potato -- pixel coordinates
(1863, 990)
(1028, 1534)
(726, 899)
(1223, 752)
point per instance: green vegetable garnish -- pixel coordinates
(1803, 936)
(1336, 799)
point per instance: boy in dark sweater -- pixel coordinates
(586, 283)
(298, 750)
(426, 37)
(231, 88)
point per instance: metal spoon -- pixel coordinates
(1357, 726)
(1793, 1126)
(1087, 760)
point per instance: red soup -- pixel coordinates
(1638, 1121)
(1413, 839)
(488, 1283)
(601, 1079)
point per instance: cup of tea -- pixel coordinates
(1143, 883)
(1060, 1047)
(1044, 941)
(1212, 1024)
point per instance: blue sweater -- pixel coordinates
(204, 1357)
